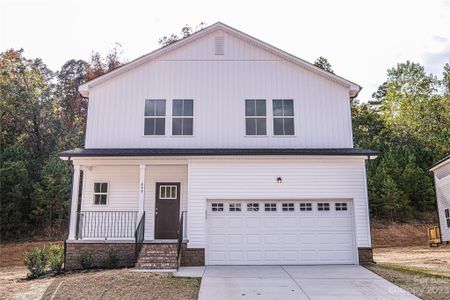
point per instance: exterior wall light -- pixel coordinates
(279, 180)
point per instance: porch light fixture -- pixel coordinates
(279, 180)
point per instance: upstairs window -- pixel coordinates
(283, 117)
(155, 117)
(182, 117)
(255, 117)
(100, 193)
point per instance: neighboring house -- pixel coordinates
(244, 148)
(441, 171)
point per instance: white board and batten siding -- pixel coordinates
(219, 85)
(312, 178)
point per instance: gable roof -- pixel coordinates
(440, 163)
(353, 87)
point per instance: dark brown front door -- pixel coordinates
(167, 213)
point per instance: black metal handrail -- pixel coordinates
(106, 224)
(139, 236)
(180, 234)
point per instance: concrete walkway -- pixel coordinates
(296, 282)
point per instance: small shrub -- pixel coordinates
(111, 260)
(56, 258)
(36, 262)
(86, 259)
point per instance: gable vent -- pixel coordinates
(219, 45)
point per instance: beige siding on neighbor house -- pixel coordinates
(219, 85)
(306, 178)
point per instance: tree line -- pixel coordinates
(42, 113)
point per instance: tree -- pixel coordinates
(185, 32)
(323, 63)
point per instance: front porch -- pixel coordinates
(132, 207)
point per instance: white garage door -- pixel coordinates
(280, 232)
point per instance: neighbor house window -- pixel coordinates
(270, 207)
(235, 207)
(100, 193)
(182, 117)
(341, 206)
(255, 117)
(288, 206)
(283, 117)
(217, 206)
(323, 206)
(305, 207)
(155, 117)
(252, 206)
(447, 217)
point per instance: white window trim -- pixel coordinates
(165, 186)
(172, 117)
(155, 117)
(107, 193)
(266, 117)
(283, 117)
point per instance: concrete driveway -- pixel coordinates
(296, 282)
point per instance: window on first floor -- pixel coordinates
(100, 193)
(447, 217)
(183, 117)
(155, 117)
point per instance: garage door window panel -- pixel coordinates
(217, 207)
(270, 207)
(341, 206)
(305, 206)
(323, 206)
(288, 207)
(235, 207)
(252, 206)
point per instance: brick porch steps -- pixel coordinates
(158, 256)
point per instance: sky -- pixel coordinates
(361, 39)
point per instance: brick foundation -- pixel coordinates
(99, 251)
(365, 256)
(192, 256)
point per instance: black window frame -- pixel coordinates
(447, 216)
(284, 117)
(256, 117)
(155, 117)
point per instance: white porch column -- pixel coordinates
(74, 202)
(141, 190)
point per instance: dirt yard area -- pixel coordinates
(432, 260)
(11, 254)
(399, 234)
(423, 285)
(103, 284)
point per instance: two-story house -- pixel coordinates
(224, 149)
